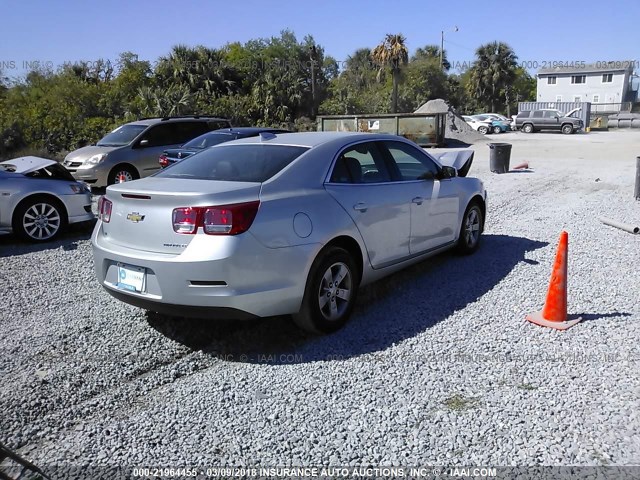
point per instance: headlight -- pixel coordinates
(96, 159)
(80, 188)
(93, 161)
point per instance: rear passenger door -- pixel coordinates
(360, 182)
(538, 120)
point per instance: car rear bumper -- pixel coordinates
(249, 280)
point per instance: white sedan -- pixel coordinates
(481, 126)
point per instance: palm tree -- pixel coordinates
(358, 68)
(431, 52)
(391, 53)
(494, 71)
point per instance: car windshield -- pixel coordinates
(235, 163)
(208, 140)
(481, 118)
(121, 136)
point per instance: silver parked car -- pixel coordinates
(283, 224)
(39, 198)
(131, 151)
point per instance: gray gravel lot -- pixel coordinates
(437, 366)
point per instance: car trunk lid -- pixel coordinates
(141, 214)
(461, 160)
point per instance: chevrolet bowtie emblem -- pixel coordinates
(135, 217)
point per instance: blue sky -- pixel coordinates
(54, 32)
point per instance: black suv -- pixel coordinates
(131, 151)
(549, 119)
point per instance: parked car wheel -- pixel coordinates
(470, 230)
(527, 128)
(39, 219)
(497, 129)
(122, 170)
(483, 130)
(330, 293)
(567, 129)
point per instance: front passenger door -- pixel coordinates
(435, 203)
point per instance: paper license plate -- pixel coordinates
(131, 278)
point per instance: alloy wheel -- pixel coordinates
(335, 291)
(41, 221)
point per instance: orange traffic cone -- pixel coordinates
(554, 313)
(122, 178)
(521, 166)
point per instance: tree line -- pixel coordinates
(278, 81)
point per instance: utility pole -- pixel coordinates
(312, 55)
(455, 29)
(441, 47)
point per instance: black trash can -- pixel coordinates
(499, 156)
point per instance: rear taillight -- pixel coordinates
(185, 220)
(220, 220)
(163, 161)
(104, 209)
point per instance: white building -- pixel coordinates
(600, 83)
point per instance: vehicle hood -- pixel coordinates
(87, 152)
(28, 164)
(568, 114)
(460, 159)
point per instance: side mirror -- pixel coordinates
(143, 143)
(448, 172)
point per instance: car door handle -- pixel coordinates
(360, 206)
(418, 200)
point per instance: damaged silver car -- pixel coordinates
(39, 198)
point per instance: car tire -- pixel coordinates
(39, 219)
(128, 172)
(527, 128)
(470, 229)
(326, 306)
(497, 129)
(483, 130)
(567, 129)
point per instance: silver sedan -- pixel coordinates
(283, 224)
(39, 198)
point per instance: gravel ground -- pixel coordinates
(437, 366)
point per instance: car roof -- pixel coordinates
(152, 121)
(248, 130)
(313, 139)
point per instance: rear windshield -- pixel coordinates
(235, 163)
(208, 140)
(121, 136)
